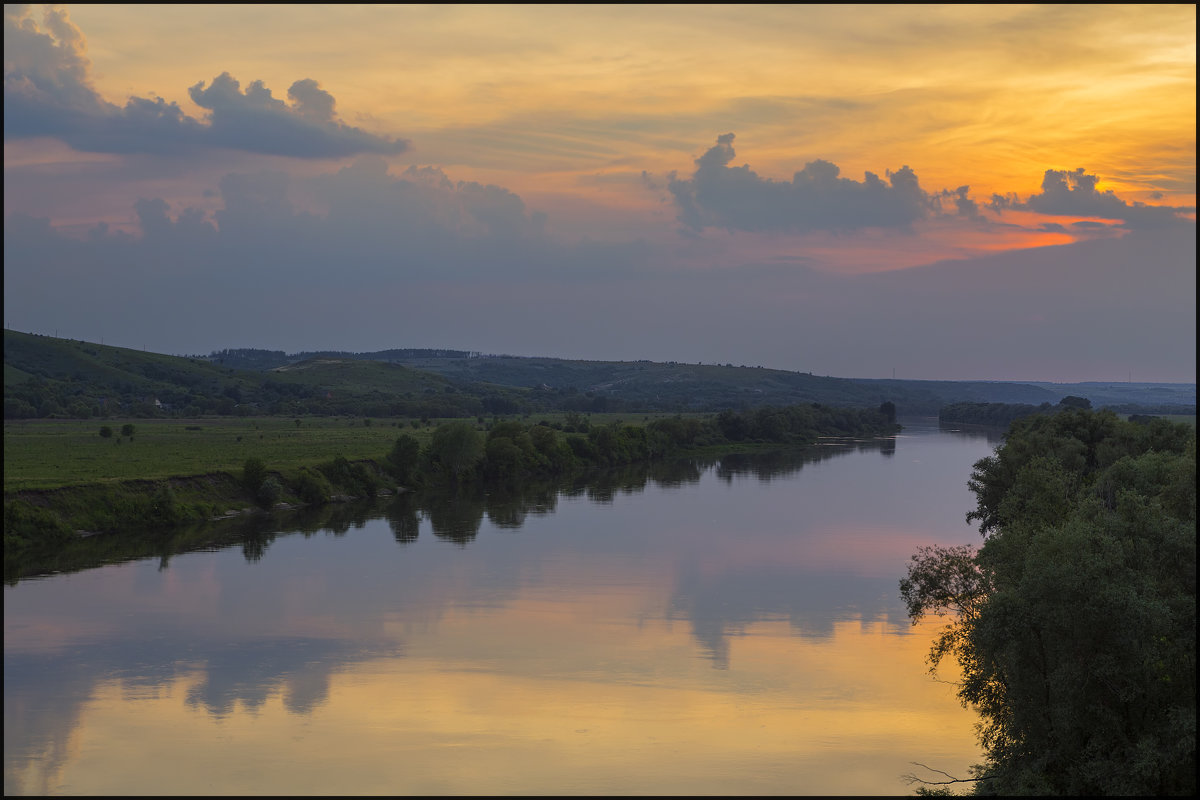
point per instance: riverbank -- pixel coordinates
(41, 518)
(458, 451)
(455, 512)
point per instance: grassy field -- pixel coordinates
(47, 454)
(1190, 419)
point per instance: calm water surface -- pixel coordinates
(707, 629)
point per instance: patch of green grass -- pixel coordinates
(1190, 419)
(44, 454)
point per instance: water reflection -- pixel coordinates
(249, 673)
(991, 434)
(722, 607)
(655, 602)
(787, 463)
(454, 513)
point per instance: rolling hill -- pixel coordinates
(45, 376)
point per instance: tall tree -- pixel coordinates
(1074, 623)
(457, 446)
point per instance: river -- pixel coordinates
(728, 628)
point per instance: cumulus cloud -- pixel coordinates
(718, 195)
(311, 101)
(48, 92)
(256, 121)
(817, 198)
(1074, 193)
(45, 73)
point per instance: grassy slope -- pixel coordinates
(101, 370)
(360, 377)
(66, 359)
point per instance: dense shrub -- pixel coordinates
(269, 492)
(353, 479)
(164, 508)
(254, 472)
(456, 447)
(404, 459)
(313, 487)
(26, 524)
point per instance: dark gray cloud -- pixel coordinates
(311, 101)
(48, 92)
(1074, 193)
(817, 198)
(254, 120)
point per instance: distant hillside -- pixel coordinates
(675, 385)
(1164, 398)
(253, 358)
(49, 377)
(45, 376)
(713, 387)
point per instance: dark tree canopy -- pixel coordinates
(1071, 401)
(457, 446)
(1074, 623)
(254, 472)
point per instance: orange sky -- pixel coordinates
(538, 98)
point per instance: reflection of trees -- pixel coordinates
(336, 518)
(454, 512)
(994, 435)
(509, 503)
(603, 486)
(254, 546)
(345, 516)
(781, 463)
(679, 473)
(403, 518)
(258, 531)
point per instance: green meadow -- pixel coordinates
(45, 454)
(1188, 418)
(48, 454)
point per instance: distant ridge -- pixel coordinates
(45, 376)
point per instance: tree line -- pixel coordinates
(513, 450)
(1001, 415)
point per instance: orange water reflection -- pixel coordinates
(523, 699)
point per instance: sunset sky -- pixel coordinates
(951, 192)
